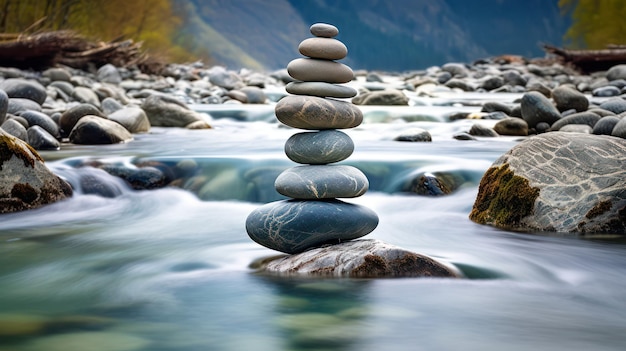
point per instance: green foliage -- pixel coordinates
(595, 23)
(153, 22)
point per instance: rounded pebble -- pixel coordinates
(293, 226)
(309, 112)
(316, 70)
(537, 108)
(323, 147)
(323, 48)
(320, 89)
(324, 30)
(322, 182)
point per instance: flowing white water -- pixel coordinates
(167, 269)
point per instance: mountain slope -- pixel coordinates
(385, 35)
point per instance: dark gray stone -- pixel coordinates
(133, 119)
(511, 126)
(387, 97)
(66, 87)
(69, 118)
(86, 95)
(109, 74)
(539, 87)
(25, 89)
(615, 105)
(15, 128)
(456, 83)
(164, 111)
(587, 118)
(605, 125)
(513, 78)
(316, 70)
(463, 136)
(358, 259)
(495, 106)
(320, 89)
(324, 30)
(414, 135)
(40, 139)
(481, 130)
(110, 105)
(537, 108)
(57, 74)
(309, 112)
(35, 118)
(606, 91)
(293, 226)
(94, 130)
(620, 129)
(323, 48)
(321, 182)
(567, 98)
(492, 83)
(323, 147)
(616, 72)
(254, 95)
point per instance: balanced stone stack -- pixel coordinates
(314, 216)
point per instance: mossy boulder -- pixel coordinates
(25, 181)
(557, 182)
(357, 259)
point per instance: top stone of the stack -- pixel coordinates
(324, 30)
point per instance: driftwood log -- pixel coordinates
(44, 50)
(588, 61)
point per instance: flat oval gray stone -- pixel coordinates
(323, 147)
(323, 48)
(320, 89)
(293, 226)
(316, 70)
(322, 182)
(310, 112)
(324, 30)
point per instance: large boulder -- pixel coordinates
(557, 182)
(25, 181)
(358, 258)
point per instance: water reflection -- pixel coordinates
(314, 314)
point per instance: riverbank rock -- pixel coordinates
(358, 259)
(25, 181)
(557, 182)
(165, 111)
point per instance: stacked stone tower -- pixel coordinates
(314, 216)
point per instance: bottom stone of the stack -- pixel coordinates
(293, 226)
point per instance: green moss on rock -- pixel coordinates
(11, 146)
(504, 199)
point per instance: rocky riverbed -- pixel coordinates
(62, 106)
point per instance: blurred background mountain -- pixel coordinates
(393, 35)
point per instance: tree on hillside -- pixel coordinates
(154, 22)
(595, 23)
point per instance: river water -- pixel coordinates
(168, 269)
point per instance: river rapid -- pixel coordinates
(169, 269)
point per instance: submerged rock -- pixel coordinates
(364, 258)
(557, 182)
(25, 181)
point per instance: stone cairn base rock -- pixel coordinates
(365, 258)
(314, 216)
(553, 182)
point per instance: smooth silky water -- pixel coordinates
(168, 269)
